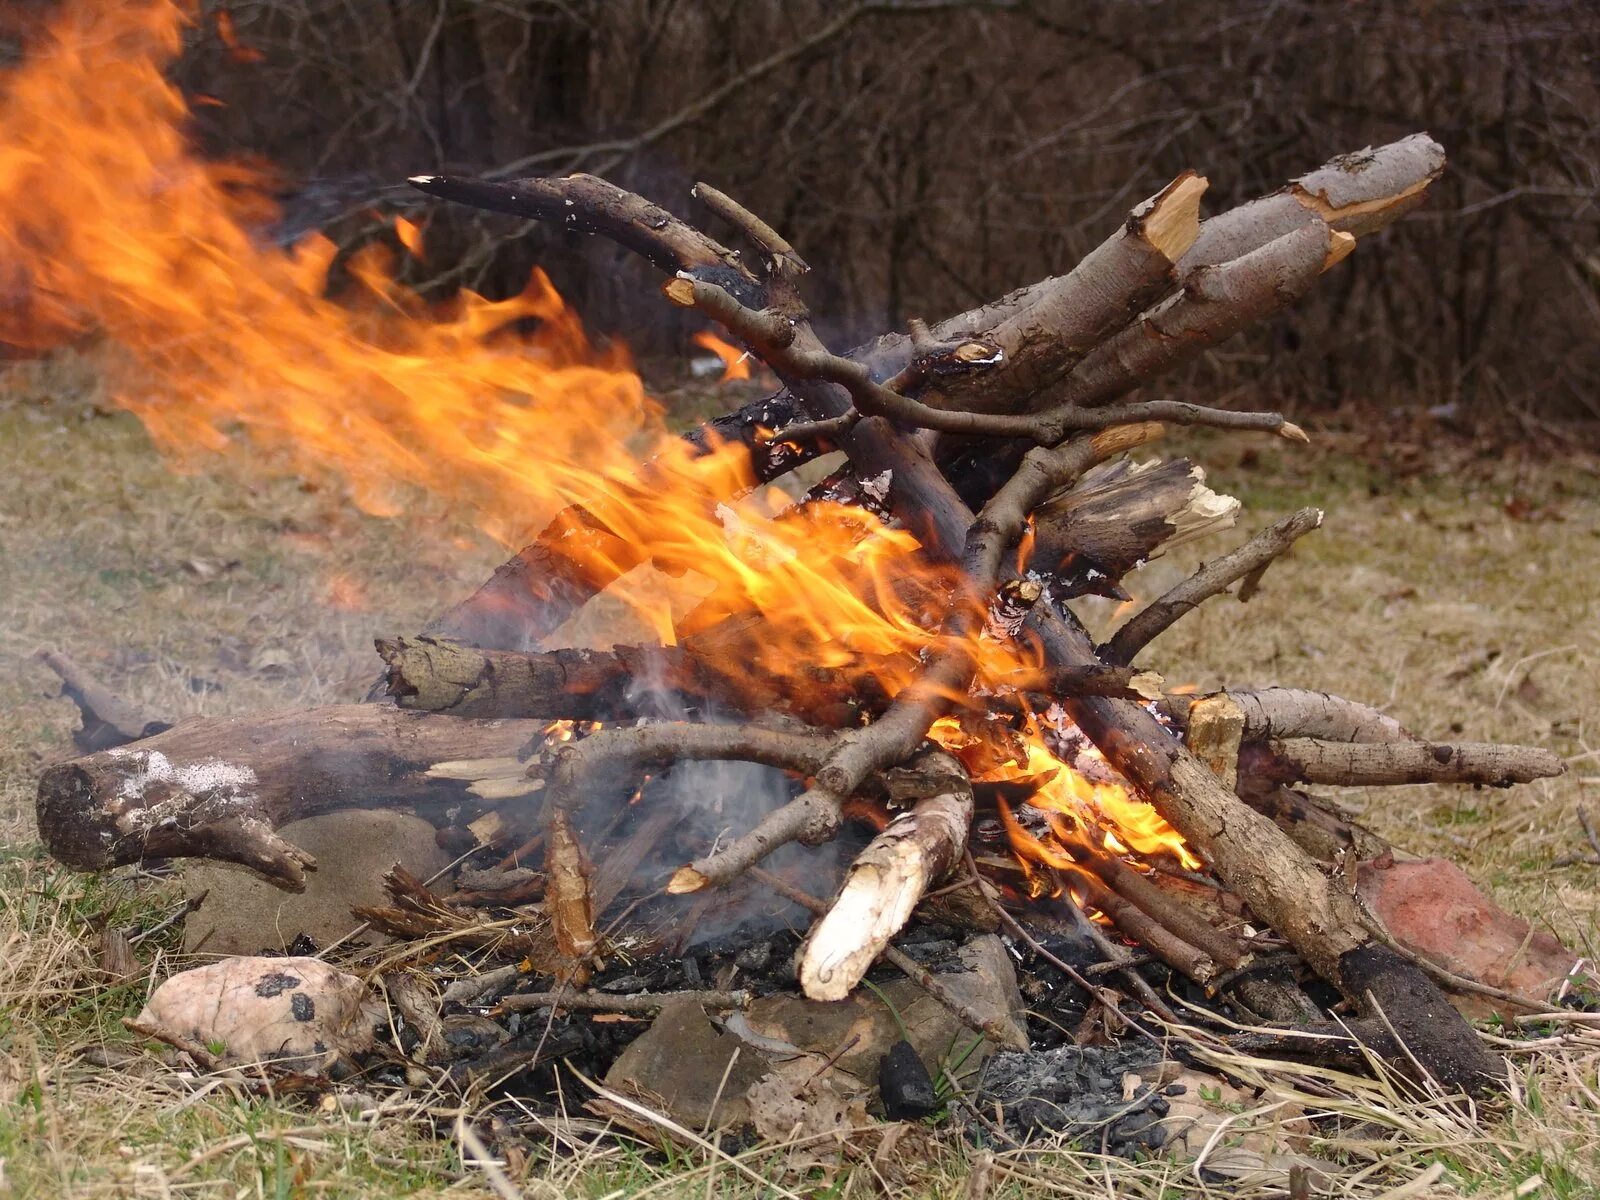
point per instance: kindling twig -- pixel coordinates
(639, 1004)
(1144, 626)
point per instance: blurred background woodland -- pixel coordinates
(927, 156)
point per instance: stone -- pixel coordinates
(681, 1063)
(1433, 909)
(247, 1010)
(678, 1064)
(904, 1085)
(243, 914)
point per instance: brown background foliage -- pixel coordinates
(925, 156)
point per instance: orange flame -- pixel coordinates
(735, 362)
(410, 235)
(227, 345)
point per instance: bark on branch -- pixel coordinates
(1146, 625)
(217, 787)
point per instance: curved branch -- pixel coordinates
(1146, 625)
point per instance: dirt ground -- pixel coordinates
(1463, 597)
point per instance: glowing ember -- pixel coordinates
(226, 345)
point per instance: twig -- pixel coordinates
(641, 1004)
(1587, 860)
(780, 254)
(1104, 995)
(1143, 627)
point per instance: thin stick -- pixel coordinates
(1143, 627)
(639, 1004)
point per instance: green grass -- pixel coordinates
(226, 593)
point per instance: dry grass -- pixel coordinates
(195, 594)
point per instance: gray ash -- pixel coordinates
(1077, 1090)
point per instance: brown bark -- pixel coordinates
(1120, 516)
(721, 662)
(217, 787)
(1379, 764)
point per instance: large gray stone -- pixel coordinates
(242, 914)
(682, 1063)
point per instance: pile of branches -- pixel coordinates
(971, 434)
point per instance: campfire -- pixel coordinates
(936, 738)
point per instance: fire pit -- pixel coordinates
(879, 725)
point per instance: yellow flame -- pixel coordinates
(228, 345)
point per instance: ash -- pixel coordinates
(1078, 1091)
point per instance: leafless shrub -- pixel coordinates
(928, 155)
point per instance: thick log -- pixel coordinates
(889, 878)
(217, 787)
(721, 663)
(1356, 193)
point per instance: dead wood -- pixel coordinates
(888, 879)
(1121, 516)
(217, 787)
(1281, 712)
(1142, 929)
(1146, 625)
(1357, 193)
(107, 719)
(1166, 909)
(567, 900)
(587, 204)
(638, 1004)
(534, 593)
(1324, 833)
(857, 753)
(1281, 884)
(720, 663)
(1380, 764)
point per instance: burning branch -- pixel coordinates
(965, 618)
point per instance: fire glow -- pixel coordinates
(226, 346)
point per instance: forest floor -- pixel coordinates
(1455, 588)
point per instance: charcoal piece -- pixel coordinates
(905, 1085)
(1076, 1090)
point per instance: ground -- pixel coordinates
(1453, 585)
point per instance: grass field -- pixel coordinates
(1462, 598)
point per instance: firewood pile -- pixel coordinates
(930, 704)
